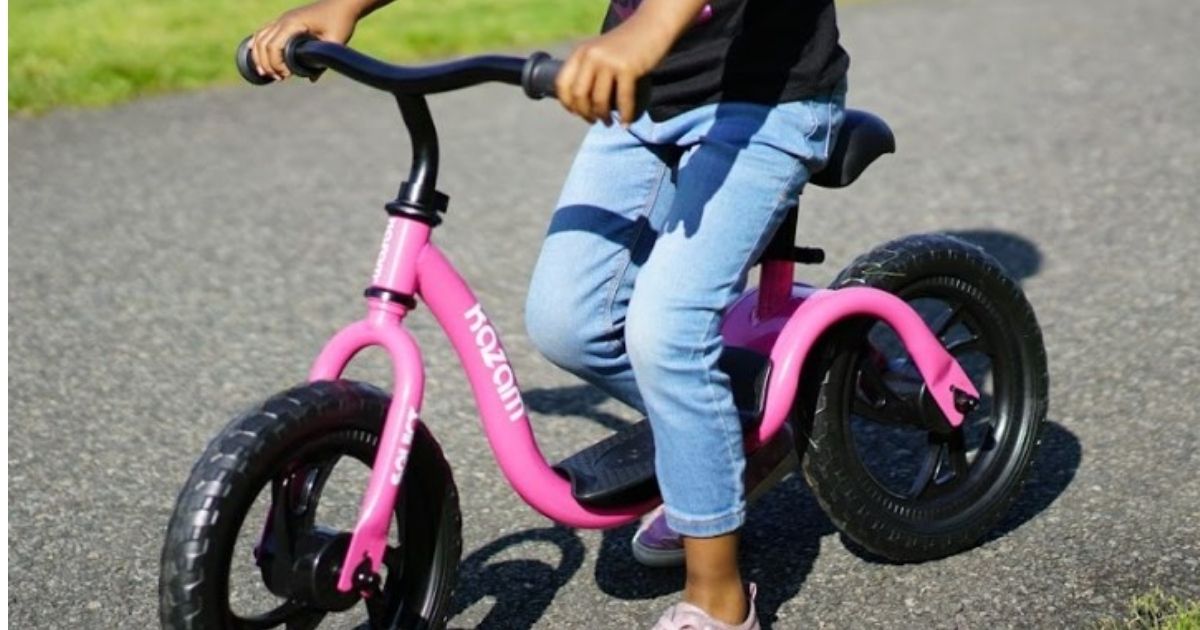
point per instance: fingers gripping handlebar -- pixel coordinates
(541, 71)
(309, 57)
(246, 66)
(248, 69)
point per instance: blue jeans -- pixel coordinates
(654, 233)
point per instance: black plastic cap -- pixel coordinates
(246, 65)
(537, 78)
(541, 71)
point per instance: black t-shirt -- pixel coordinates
(760, 51)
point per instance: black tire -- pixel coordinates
(307, 430)
(964, 483)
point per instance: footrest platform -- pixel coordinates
(617, 470)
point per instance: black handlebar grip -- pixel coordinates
(245, 64)
(537, 79)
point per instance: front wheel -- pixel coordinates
(889, 483)
(260, 528)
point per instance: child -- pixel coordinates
(658, 223)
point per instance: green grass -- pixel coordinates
(99, 52)
(1157, 611)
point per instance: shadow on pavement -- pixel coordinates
(522, 587)
(577, 400)
(1053, 469)
(1019, 255)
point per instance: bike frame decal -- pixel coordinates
(495, 360)
(506, 424)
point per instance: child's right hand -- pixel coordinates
(329, 20)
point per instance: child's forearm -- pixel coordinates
(366, 7)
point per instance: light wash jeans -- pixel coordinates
(654, 233)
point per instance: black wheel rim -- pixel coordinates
(919, 475)
(295, 487)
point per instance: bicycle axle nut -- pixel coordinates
(964, 403)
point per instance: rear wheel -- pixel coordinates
(261, 527)
(889, 483)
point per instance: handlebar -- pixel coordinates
(418, 198)
(308, 57)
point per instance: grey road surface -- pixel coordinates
(175, 260)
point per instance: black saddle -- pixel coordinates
(863, 138)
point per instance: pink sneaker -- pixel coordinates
(685, 616)
(656, 545)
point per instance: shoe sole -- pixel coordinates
(657, 558)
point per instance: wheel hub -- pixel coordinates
(319, 555)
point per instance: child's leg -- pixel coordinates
(742, 168)
(734, 186)
(714, 582)
(598, 237)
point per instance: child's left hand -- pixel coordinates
(615, 60)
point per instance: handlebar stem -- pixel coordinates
(418, 197)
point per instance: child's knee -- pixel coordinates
(556, 331)
(651, 340)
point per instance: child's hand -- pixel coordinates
(615, 60)
(602, 72)
(329, 20)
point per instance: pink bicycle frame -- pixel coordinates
(779, 319)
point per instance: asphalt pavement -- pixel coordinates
(174, 260)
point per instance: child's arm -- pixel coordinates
(330, 20)
(620, 57)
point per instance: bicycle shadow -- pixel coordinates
(1053, 470)
(1054, 466)
(1019, 255)
(581, 400)
(522, 588)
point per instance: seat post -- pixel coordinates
(778, 268)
